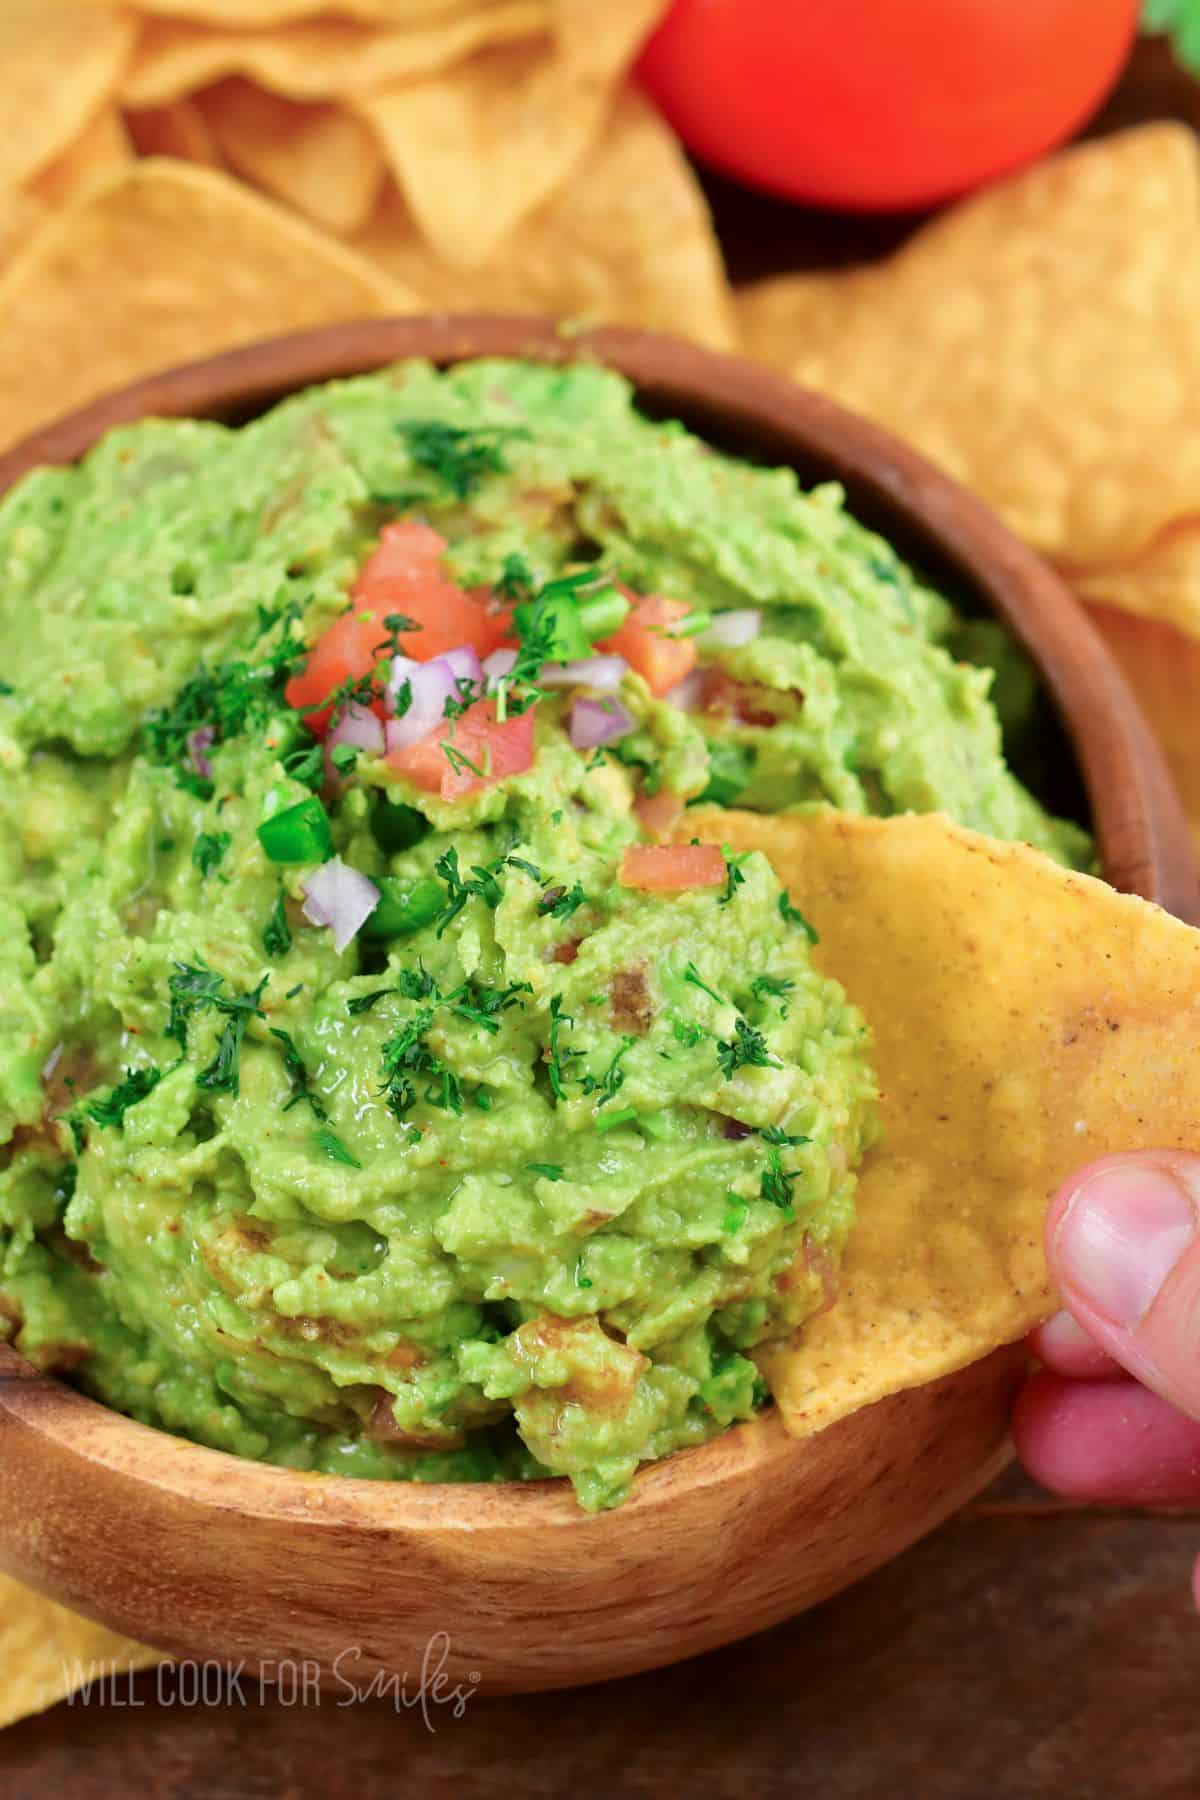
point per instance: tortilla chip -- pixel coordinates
(102, 145)
(1163, 668)
(477, 149)
(251, 13)
(177, 128)
(45, 1652)
(319, 159)
(1163, 583)
(1039, 341)
(1025, 1020)
(175, 262)
(323, 59)
(61, 62)
(629, 241)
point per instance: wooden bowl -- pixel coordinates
(201, 1553)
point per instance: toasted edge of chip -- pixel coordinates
(47, 1652)
(1025, 1020)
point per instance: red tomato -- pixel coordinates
(658, 814)
(497, 747)
(669, 868)
(403, 574)
(642, 640)
(882, 105)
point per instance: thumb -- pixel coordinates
(1123, 1243)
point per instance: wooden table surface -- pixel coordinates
(1028, 1649)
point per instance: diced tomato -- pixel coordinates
(658, 814)
(497, 747)
(642, 640)
(403, 574)
(670, 868)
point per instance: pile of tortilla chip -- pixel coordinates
(183, 176)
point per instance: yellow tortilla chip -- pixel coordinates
(319, 159)
(175, 262)
(477, 149)
(1025, 1020)
(629, 240)
(1163, 583)
(177, 128)
(320, 59)
(103, 144)
(46, 1651)
(251, 13)
(1163, 668)
(60, 63)
(1039, 341)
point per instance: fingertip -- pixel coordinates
(1106, 1441)
(1064, 1346)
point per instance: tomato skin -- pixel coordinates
(642, 640)
(403, 574)
(882, 105)
(658, 814)
(502, 747)
(671, 868)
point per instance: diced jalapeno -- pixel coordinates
(395, 826)
(405, 906)
(298, 834)
(602, 613)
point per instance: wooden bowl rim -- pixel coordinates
(1142, 832)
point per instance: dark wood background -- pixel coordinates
(1028, 1649)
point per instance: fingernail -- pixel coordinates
(1120, 1237)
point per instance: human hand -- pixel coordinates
(1115, 1412)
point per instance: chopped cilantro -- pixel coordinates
(747, 1047)
(458, 456)
(560, 1060)
(396, 625)
(735, 1218)
(734, 879)
(692, 975)
(332, 1145)
(775, 1134)
(774, 985)
(209, 850)
(459, 888)
(306, 766)
(777, 1184)
(277, 933)
(459, 760)
(581, 1280)
(6, 687)
(793, 916)
(518, 862)
(293, 1062)
(613, 1078)
(561, 902)
(362, 1003)
(134, 1086)
(195, 988)
(552, 1171)
(687, 1033)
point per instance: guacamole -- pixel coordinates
(387, 1085)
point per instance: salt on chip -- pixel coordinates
(176, 262)
(628, 241)
(1039, 341)
(60, 63)
(46, 1651)
(1025, 1020)
(177, 128)
(318, 158)
(319, 59)
(478, 148)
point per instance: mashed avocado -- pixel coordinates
(515, 1181)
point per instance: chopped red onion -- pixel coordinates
(605, 673)
(596, 722)
(498, 665)
(463, 664)
(359, 727)
(687, 694)
(432, 684)
(198, 742)
(338, 896)
(403, 669)
(730, 630)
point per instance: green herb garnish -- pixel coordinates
(458, 456)
(209, 849)
(277, 933)
(332, 1145)
(793, 916)
(747, 1048)
(552, 1171)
